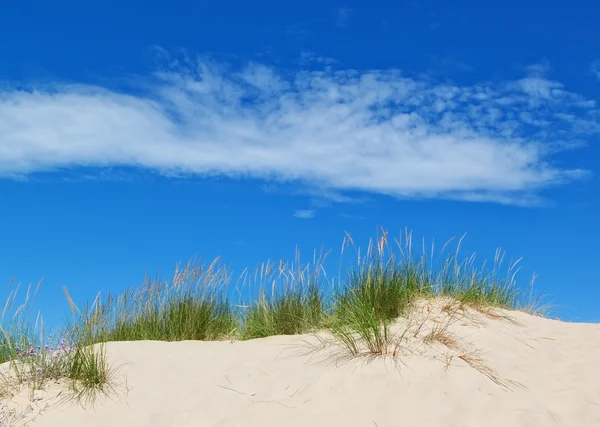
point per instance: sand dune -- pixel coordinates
(492, 371)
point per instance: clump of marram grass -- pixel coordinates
(377, 292)
(293, 306)
(381, 283)
(192, 306)
(292, 313)
(25, 358)
(89, 372)
(84, 370)
(478, 287)
(16, 328)
(383, 286)
(33, 360)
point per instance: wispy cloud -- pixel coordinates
(372, 131)
(307, 58)
(305, 213)
(343, 16)
(596, 68)
(540, 69)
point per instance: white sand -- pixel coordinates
(549, 375)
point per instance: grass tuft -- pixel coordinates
(290, 313)
(192, 306)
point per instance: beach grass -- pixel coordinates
(290, 300)
(292, 312)
(202, 302)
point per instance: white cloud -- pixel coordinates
(305, 213)
(538, 87)
(372, 131)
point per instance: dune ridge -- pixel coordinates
(452, 366)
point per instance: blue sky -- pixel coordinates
(134, 135)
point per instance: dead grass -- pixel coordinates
(428, 322)
(442, 336)
(475, 361)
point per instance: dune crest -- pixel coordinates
(449, 366)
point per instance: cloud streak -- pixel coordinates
(343, 16)
(596, 68)
(373, 131)
(305, 213)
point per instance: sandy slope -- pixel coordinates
(548, 374)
